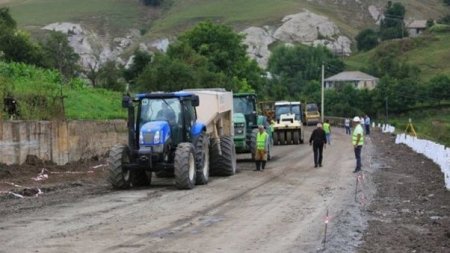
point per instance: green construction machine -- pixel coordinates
(246, 121)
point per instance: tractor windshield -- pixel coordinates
(295, 109)
(281, 109)
(156, 109)
(243, 105)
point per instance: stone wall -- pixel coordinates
(58, 141)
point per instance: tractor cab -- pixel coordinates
(158, 122)
(245, 103)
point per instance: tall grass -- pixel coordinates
(433, 124)
(41, 94)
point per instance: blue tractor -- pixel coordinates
(163, 137)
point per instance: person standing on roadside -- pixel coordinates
(318, 140)
(357, 141)
(327, 129)
(367, 124)
(347, 126)
(262, 147)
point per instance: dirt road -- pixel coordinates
(282, 209)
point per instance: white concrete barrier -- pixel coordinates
(435, 151)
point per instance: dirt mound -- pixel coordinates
(411, 209)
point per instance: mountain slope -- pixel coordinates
(349, 15)
(431, 53)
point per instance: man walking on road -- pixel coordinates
(327, 129)
(347, 126)
(367, 124)
(357, 141)
(318, 141)
(262, 147)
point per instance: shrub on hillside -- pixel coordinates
(366, 39)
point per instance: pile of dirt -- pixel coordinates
(411, 210)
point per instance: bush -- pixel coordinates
(366, 40)
(440, 28)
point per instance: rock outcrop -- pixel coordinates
(304, 27)
(93, 49)
(258, 40)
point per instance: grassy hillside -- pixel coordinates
(38, 95)
(111, 14)
(430, 53)
(119, 14)
(429, 124)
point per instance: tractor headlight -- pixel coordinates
(157, 137)
(141, 138)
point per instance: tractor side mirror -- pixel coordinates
(126, 101)
(195, 101)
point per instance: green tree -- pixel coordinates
(140, 60)
(366, 39)
(445, 20)
(6, 20)
(209, 55)
(16, 46)
(110, 77)
(401, 94)
(166, 74)
(220, 45)
(439, 88)
(225, 52)
(60, 55)
(294, 67)
(392, 26)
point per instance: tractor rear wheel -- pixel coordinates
(202, 159)
(225, 164)
(185, 166)
(119, 177)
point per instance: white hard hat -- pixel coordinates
(356, 119)
(319, 125)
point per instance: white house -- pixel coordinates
(416, 27)
(358, 79)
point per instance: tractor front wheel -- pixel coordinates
(119, 177)
(185, 166)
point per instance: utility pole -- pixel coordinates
(322, 105)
